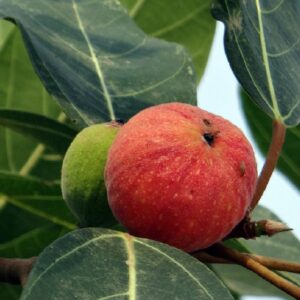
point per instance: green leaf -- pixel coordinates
(263, 46)
(32, 215)
(29, 244)
(188, 23)
(261, 129)
(9, 291)
(108, 264)
(27, 203)
(54, 134)
(32, 242)
(97, 62)
(21, 89)
(5, 30)
(282, 246)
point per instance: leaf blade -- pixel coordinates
(38, 202)
(54, 134)
(189, 24)
(21, 89)
(141, 269)
(255, 40)
(139, 71)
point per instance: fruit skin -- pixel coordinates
(180, 175)
(82, 178)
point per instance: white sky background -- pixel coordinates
(218, 93)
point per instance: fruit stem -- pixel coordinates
(15, 270)
(269, 262)
(248, 229)
(278, 138)
(245, 260)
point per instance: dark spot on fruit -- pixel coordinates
(191, 192)
(209, 138)
(206, 122)
(242, 168)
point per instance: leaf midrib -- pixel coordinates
(266, 64)
(131, 262)
(246, 64)
(178, 264)
(95, 61)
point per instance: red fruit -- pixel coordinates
(180, 175)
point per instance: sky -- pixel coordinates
(218, 93)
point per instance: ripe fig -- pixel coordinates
(180, 175)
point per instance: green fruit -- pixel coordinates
(82, 179)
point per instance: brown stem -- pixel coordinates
(278, 137)
(269, 262)
(252, 229)
(277, 264)
(15, 270)
(248, 262)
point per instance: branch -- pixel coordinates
(278, 138)
(269, 262)
(15, 270)
(277, 264)
(248, 262)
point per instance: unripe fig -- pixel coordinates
(82, 178)
(180, 175)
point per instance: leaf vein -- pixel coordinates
(276, 111)
(136, 8)
(113, 296)
(39, 213)
(106, 236)
(269, 11)
(179, 265)
(285, 51)
(179, 22)
(156, 84)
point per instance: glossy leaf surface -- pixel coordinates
(188, 23)
(108, 264)
(98, 64)
(263, 46)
